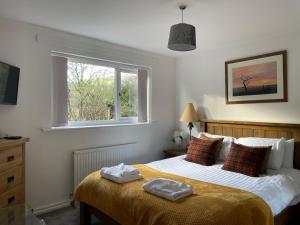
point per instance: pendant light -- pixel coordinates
(182, 35)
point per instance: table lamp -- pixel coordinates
(189, 116)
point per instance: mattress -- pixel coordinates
(278, 189)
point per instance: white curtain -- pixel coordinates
(142, 95)
(60, 91)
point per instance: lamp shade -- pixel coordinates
(182, 37)
(189, 114)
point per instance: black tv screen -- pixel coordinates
(9, 83)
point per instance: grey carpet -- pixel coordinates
(65, 216)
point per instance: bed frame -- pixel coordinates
(236, 129)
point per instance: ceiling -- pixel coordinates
(145, 24)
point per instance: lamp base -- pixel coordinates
(190, 126)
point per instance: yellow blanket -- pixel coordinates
(211, 204)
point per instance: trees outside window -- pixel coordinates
(95, 93)
(129, 94)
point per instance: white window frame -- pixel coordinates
(119, 67)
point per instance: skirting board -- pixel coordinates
(51, 207)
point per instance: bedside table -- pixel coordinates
(172, 152)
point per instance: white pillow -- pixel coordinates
(288, 160)
(277, 151)
(226, 145)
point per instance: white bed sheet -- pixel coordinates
(279, 188)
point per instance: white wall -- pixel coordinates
(49, 154)
(201, 80)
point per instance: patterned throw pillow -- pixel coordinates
(218, 147)
(246, 160)
(202, 151)
(264, 166)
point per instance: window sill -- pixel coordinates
(93, 126)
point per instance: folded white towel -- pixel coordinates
(121, 180)
(121, 170)
(168, 189)
(121, 173)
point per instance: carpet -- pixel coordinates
(65, 216)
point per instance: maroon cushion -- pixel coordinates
(203, 151)
(263, 169)
(218, 147)
(246, 160)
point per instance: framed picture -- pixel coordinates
(257, 79)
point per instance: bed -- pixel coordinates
(283, 214)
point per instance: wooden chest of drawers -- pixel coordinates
(12, 172)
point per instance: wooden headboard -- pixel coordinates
(255, 129)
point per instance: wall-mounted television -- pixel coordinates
(9, 84)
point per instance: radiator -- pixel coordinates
(93, 159)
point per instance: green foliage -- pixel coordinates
(92, 93)
(129, 105)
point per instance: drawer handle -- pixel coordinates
(10, 158)
(11, 200)
(10, 179)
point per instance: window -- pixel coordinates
(93, 92)
(129, 94)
